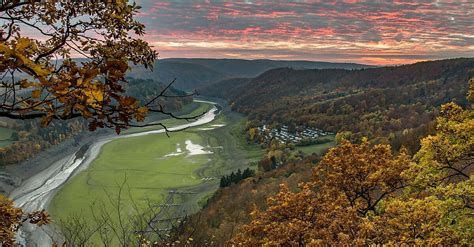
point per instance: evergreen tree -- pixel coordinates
(238, 176)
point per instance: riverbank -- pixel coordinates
(190, 161)
(16, 174)
(34, 192)
(12, 176)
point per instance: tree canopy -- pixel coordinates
(362, 194)
(40, 78)
(11, 218)
(349, 182)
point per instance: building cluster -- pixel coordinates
(284, 136)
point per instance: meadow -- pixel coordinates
(152, 165)
(319, 149)
(149, 167)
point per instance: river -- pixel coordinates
(36, 192)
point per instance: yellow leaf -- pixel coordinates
(94, 96)
(141, 113)
(36, 93)
(22, 44)
(5, 49)
(46, 120)
(39, 71)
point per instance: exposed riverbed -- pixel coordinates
(36, 192)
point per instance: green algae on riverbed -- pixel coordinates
(142, 162)
(152, 166)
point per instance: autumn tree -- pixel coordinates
(437, 208)
(365, 195)
(449, 155)
(362, 174)
(252, 134)
(39, 77)
(12, 218)
(344, 135)
(348, 184)
(445, 160)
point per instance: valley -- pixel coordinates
(192, 160)
(236, 123)
(147, 175)
(187, 164)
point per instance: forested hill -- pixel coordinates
(192, 74)
(252, 68)
(372, 102)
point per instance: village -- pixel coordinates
(285, 136)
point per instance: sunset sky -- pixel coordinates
(374, 33)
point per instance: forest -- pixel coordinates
(390, 164)
(391, 104)
(389, 115)
(196, 73)
(357, 194)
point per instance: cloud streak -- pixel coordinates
(372, 32)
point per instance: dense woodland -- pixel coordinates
(356, 195)
(30, 138)
(147, 89)
(392, 104)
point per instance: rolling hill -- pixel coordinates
(370, 102)
(192, 74)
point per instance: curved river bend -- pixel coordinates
(36, 192)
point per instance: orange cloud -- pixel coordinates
(391, 32)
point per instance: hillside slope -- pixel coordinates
(402, 99)
(32, 138)
(192, 74)
(187, 75)
(370, 102)
(252, 68)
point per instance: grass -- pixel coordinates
(5, 136)
(150, 175)
(320, 149)
(141, 160)
(231, 152)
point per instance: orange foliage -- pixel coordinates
(363, 195)
(92, 89)
(11, 218)
(348, 183)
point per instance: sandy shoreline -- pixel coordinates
(22, 171)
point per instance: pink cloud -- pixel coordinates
(351, 31)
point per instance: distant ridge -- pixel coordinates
(251, 68)
(195, 73)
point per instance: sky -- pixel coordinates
(372, 32)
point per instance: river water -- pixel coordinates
(36, 192)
